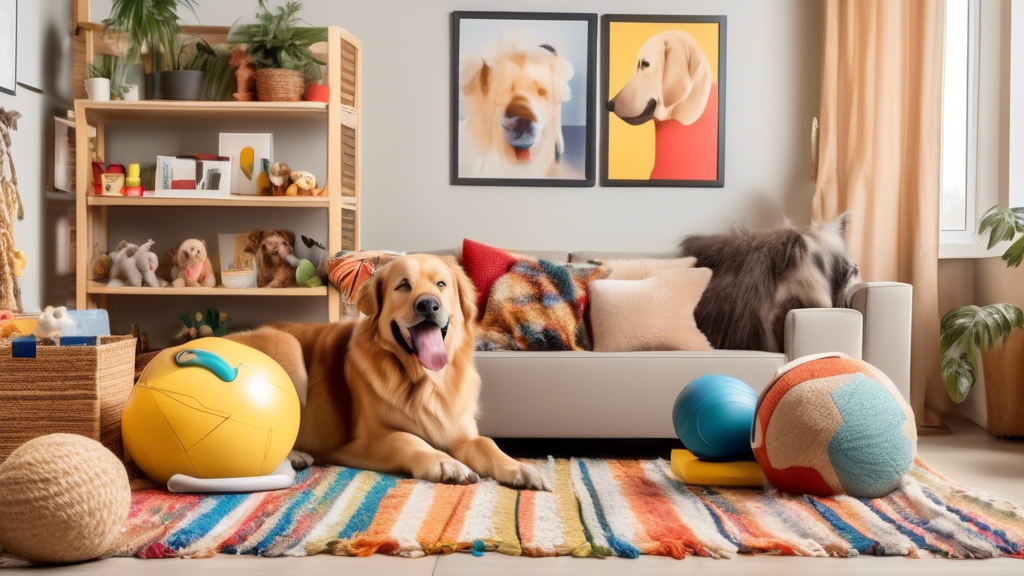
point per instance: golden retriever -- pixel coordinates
(513, 113)
(672, 81)
(395, 390)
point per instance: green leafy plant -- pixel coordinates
(103, 66)
(1003, 224)
(200, 325)
(219, 81)
(151, 30)
(278, 40)
(968, 330)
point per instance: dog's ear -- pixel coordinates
(839, 225)
(475, 74)
(465, 288)
(561, 72)
(679, 69)
(369, 296)
(253, 241)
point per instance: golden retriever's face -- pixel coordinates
(668, 67)
(422, 306)
(521, 91)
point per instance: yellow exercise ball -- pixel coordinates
(63, 498)
(212, 408)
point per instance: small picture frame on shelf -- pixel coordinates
(250, 156)
(198, 176)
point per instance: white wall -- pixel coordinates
(772, 93)
(32, 143)
(772, 84)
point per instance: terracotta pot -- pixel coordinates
(1004, 387)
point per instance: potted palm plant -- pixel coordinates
(969, 330)
(279, 46)
(151, 33)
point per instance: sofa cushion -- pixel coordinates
(651, 314)
(584, 256)
(645, 267)
(484, 264)
(538, 305)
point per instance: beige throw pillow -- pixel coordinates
(645, 268)
(651, 314)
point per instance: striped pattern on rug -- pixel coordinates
(632, 507)
(358, 513)
(599, 507)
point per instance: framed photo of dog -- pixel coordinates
(523, 91)
(663, 85)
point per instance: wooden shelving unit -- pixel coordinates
(343, 54)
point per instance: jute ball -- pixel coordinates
(63, 498)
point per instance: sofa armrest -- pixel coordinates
(888, 313)
(820, 330)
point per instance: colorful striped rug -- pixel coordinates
(599, 507)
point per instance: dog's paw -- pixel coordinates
(447, 471)
(300, 460)
(525, 477)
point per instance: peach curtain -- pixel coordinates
(879, 156)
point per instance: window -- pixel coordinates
(974, 93)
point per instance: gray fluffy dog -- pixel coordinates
(760, 275)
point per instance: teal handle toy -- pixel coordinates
(208, 360)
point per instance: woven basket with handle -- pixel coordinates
(74, 389)
(279, 85)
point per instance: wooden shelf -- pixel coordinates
(177, 109)
(237, 201)
(95, 287)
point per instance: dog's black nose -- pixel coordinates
(610, 105)
(522, 126)
(427, 305)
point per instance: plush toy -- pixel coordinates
(53, 322)
(191, 266)
(7, 326)
(273, 251)
(101, 263)
(830, 424)
(318, 255)
(134, 265)
(279, 178)
(245, 75)
(303, 184)
(63, 498)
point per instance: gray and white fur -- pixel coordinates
(760, 275)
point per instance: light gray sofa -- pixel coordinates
(630, 394)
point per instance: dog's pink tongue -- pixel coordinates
(429, 345)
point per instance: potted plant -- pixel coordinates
(969, 330)
(151, 33)
(97, 85)
(279, 46)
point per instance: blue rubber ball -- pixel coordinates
(713, 416)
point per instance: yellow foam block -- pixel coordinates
(693, 470)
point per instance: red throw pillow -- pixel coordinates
(484, 265)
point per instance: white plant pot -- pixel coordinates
(130, 92)
(98, 89)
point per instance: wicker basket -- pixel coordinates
(75, 389)
(279, 85)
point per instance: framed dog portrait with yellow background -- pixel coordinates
(664, 94)
(523, 93)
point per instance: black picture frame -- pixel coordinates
(590, 162)
(12, 89)
(606, 21)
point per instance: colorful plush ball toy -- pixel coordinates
(211, 409)
(713, 415)
(831, 424)
(63, 498)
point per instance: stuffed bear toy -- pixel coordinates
(303, 184)
(134, 265)
(191, 266)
